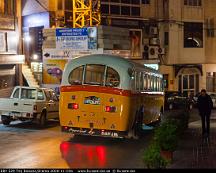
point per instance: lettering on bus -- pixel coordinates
(92, 100)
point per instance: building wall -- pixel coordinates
(11, 47)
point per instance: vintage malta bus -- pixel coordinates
(106, 95)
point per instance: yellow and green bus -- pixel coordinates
(109, 96)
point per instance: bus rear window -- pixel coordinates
(75, 77)
(94, 74)
(112, 77)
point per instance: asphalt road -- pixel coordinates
(24, 145)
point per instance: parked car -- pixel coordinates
(175, 100)
(29, 103)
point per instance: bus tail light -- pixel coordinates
(73, 106)
(110, 109)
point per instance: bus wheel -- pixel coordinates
(137, 126)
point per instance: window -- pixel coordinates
(148, 82)
(112, 77)
(28, 93)
(40, 95)
(145, 82)
(193, 35)
(166, 38)
(135, 2)
(68, 5)
(7, 7)
(16, 93)
(48, 96)
(104, 9)
(135, 11)
(114, 0)
(126, 1)
(145, 1)
(2, 6)
(125, 10)
(114, 9)
(193, 2)
(94, 74)
(53, 96)
(141, 81)
(210, 27)
(137, 81)
(59, 5)
(76, 76)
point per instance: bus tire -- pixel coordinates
(43, 120)
(137, 126)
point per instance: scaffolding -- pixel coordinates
(86, 13)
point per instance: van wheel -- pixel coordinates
(5, 120)
(43, 119)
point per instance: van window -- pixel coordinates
(28, 93)
(75, 77)
(16, 93)
(53, 96)
(112, 77)
(94, 74)
(48, 95)
(40, 95)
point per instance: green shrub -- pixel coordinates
(166, 135)
(152, 158)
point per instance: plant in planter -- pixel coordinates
(152, 157)
(166, 136)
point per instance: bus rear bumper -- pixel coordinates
(94, 132)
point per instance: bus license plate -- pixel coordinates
(92, 100)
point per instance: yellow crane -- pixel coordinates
(86, 13)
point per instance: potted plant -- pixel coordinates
(152, 157)
(166, 136)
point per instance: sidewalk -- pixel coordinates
(194, 151)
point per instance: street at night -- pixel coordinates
(107, 84)
(24, 145)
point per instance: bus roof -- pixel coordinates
(112, 60)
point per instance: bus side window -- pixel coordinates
(155, 83)
(137, 81)
(149, 82)
(141, 81)
(76, 75)
(112, 77)
(145, 82)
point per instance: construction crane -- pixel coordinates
(86, 13)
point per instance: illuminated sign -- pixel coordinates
(76, 38)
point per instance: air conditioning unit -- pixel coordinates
(161, 51)
(153, 52)
(153, 30)
(154, 41)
